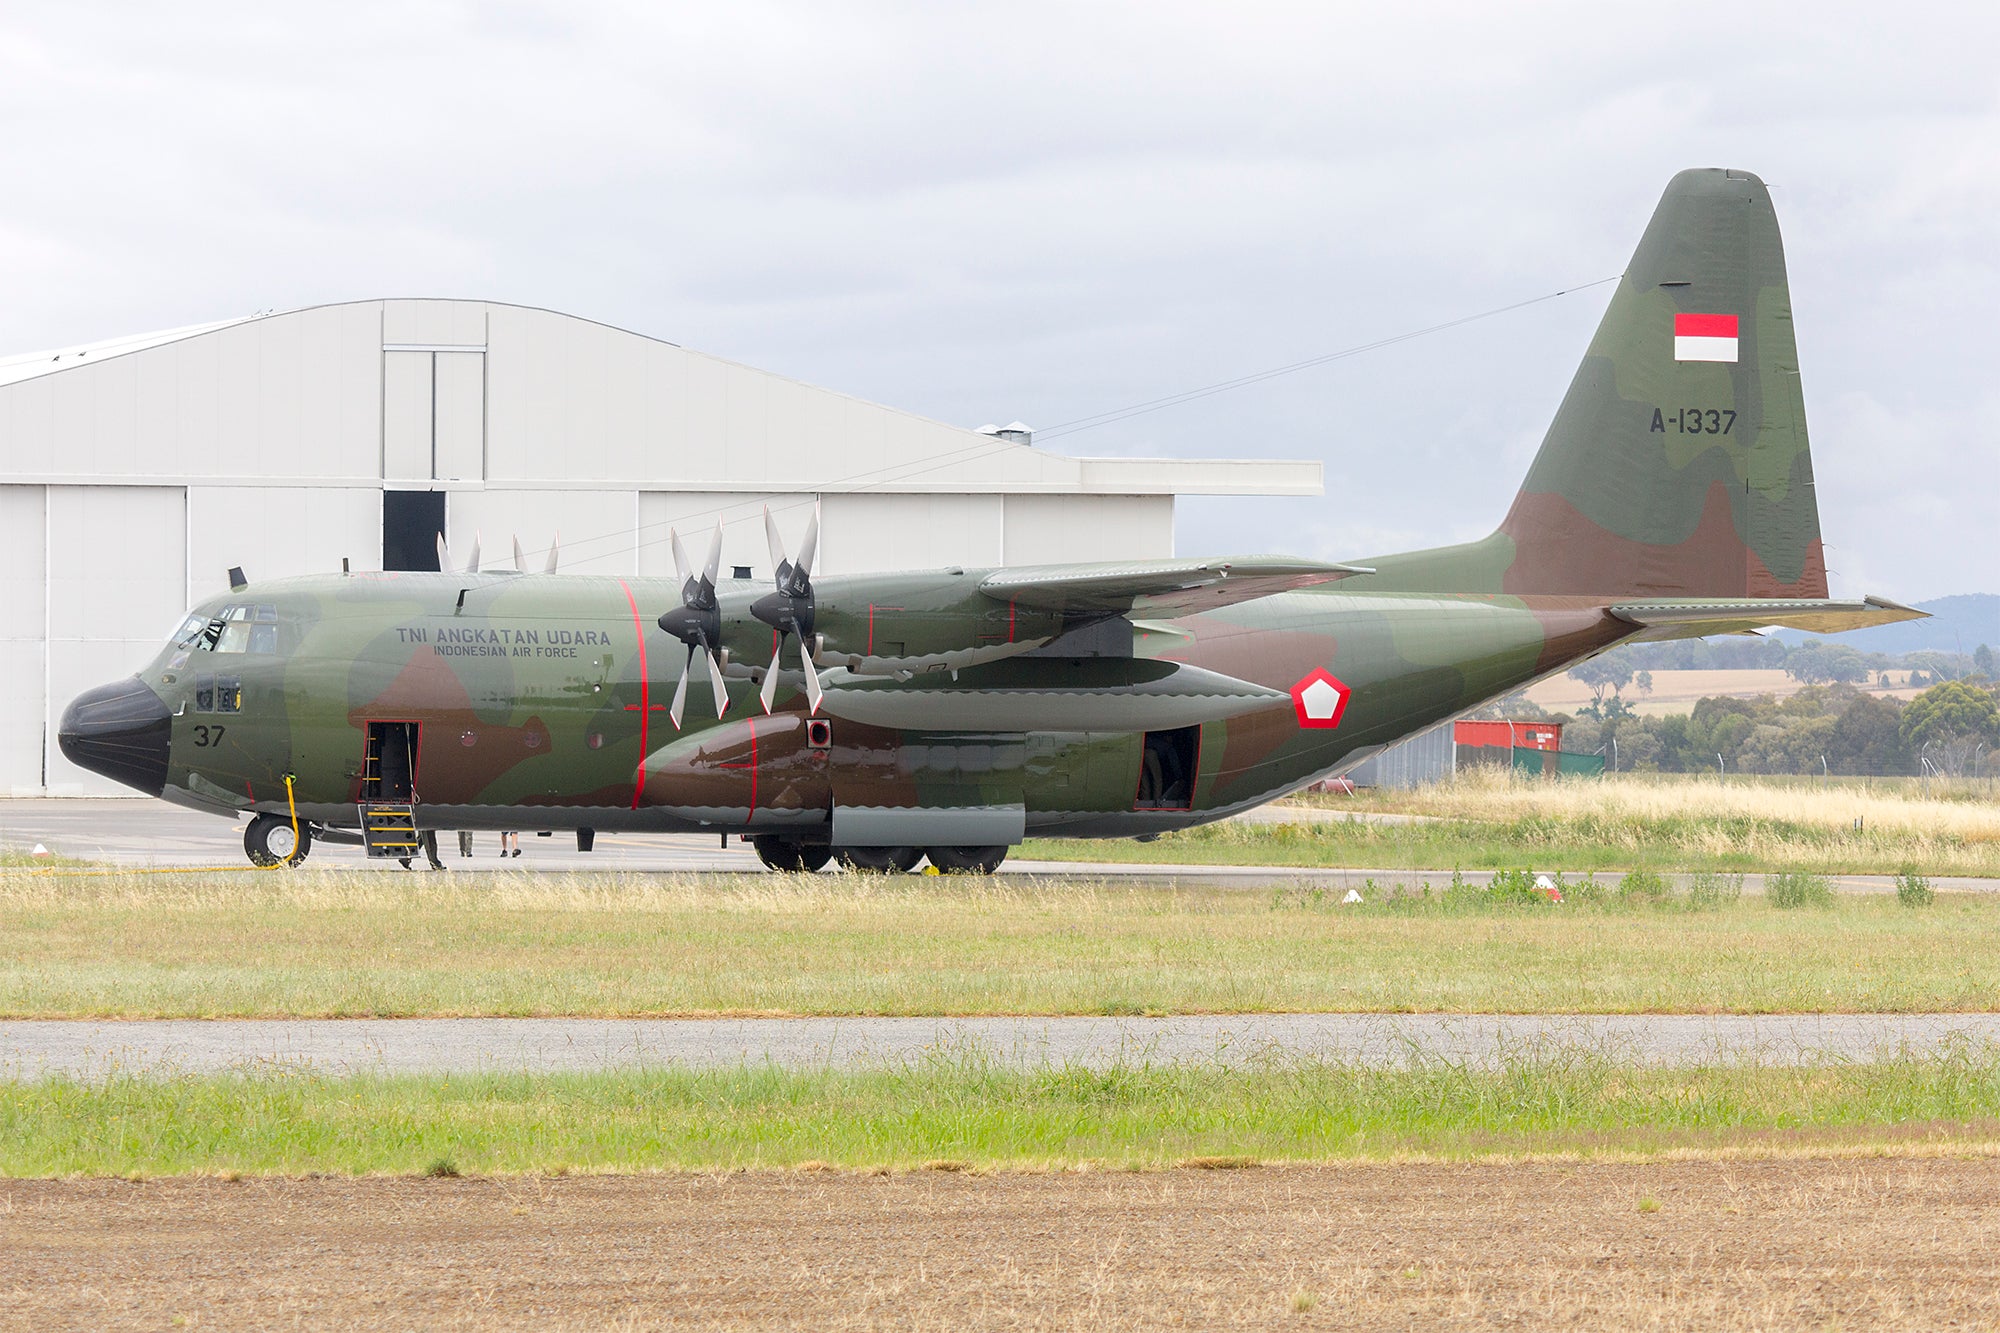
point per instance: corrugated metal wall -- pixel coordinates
(1429, 756)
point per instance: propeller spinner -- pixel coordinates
(697, 622)
(789, 610)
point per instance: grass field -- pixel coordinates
(332, 944)
(1679, 691)
(1960, 806)
(1494, 819)
(965, 1112)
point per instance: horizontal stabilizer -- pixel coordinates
(1157, 587)
(1694, 619)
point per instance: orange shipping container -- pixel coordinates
(1509, 735)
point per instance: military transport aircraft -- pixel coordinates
(884, 718)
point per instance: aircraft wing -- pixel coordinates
(1677, 619)
(1025, 694)
(1164, 588)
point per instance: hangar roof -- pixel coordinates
(552, 400)
(28, 365)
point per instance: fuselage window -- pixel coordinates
(218, 694)
(235, 638)
(264, 639)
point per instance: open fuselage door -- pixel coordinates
(388, 795)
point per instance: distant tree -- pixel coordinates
(1938, 666)
(1815, 663)
(1751, 652)
(1515, 707)
(1950, 723)
(1785, 745)
(1643, 682)
(1639, 749)
(1720, 726)
(1584, 735)
(1982, 661)
(1676, 751)
(1602, 674)
(1867, 739)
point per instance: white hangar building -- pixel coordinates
(134, 473)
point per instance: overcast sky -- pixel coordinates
(1044, 211)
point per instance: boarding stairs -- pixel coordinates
(389, 828)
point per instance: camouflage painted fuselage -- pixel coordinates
(541, 703)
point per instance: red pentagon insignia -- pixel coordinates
(1320, 699)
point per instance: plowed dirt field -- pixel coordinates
(1714, 1245)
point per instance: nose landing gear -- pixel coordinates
(270, 841)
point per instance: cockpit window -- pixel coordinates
(232, 629)
(190, 631)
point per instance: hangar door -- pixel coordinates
(433, 413)
(117, 587)
(23, 651)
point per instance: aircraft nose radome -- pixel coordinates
(120, 731)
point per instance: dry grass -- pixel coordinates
(1679, 691)
(1951, 815)
(1492, 818)
(1732, 1246)
(345, 944)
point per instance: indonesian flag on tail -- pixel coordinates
(1704, 337)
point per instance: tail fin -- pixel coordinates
(1677, 465)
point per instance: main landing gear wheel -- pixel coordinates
(882, 860)
(792, 858)
(269, 841)
(966, 860)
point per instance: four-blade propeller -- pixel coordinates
(697, 622)
(789, 610)
(471, 565)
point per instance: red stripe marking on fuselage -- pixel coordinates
(752, 766)
(645, 695)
